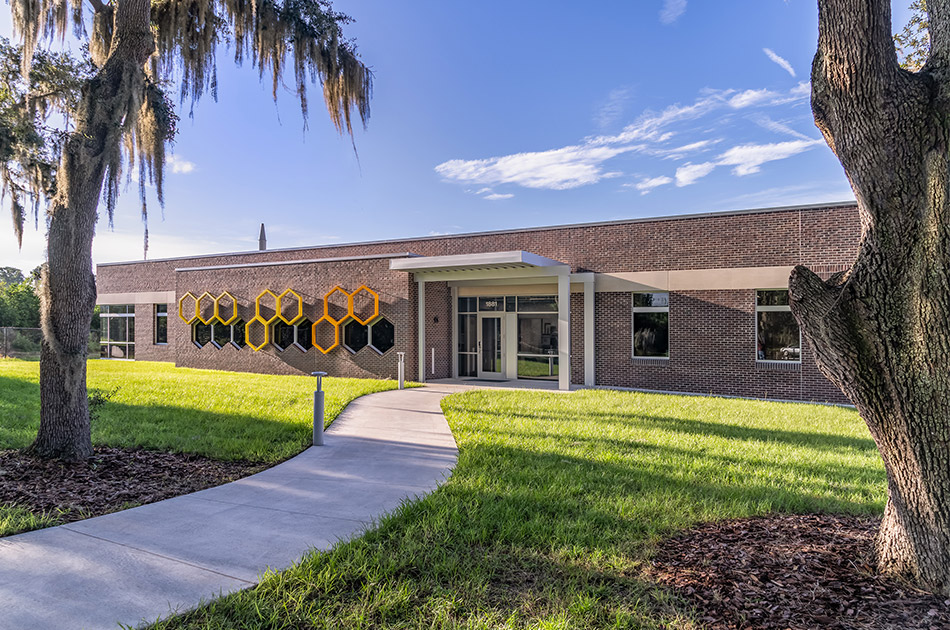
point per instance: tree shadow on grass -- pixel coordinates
(818, 440)
(241, 436)
(523, 536)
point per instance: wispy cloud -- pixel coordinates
(689, 173)
(749, 98)
(179, 166)
(611, 111)
(646, 185)
(672, 10)
(778, 127)
(678, 153)
(558, 169)
(780, 61)
(747, 158)
(651, 134)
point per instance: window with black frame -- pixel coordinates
(161, 324)
(651, 325)
(777, 337)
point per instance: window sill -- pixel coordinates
(778, 366)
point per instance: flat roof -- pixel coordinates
(471, 262)
(305, 261)
(563, 226)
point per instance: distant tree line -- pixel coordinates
(19, 304)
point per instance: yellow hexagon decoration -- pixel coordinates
(198, 308)
(181, 305)
(280, 312)
(217, 307)
(247, 333)
(257, 306)
(352, 310)
(336, 333)
(326, 305)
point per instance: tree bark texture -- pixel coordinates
(881, 331)
(68, 290)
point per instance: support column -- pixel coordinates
(454, 327)
(564, 331)
(422, 330)
(589, 332)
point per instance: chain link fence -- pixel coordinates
(24, 343)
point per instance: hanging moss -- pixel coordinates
(303, 34)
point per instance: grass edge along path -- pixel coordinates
(229, 416)
(554, 507)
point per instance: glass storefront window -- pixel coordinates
(537, 304)
(468, 305)
(537, 346)
(544, 368)
(117, 331)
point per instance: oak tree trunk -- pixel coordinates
(68, 290)
(881, 331)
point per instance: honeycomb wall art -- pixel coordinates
(211, 314)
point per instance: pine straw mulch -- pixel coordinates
(790, 572)
(114, 478)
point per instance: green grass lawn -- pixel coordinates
(222, 415)
(554, 506)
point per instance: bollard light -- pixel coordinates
(401, 369)
(318, 409)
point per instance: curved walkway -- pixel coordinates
(135, 566)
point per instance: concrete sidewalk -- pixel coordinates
(135, 566)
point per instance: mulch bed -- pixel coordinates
(112, 479)
(785, 572)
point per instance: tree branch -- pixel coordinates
(97, 5)
(938, 15)
(855, 43)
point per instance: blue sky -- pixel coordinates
(495, 115)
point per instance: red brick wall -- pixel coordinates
(712, 351)
(813, 236)
(712, 332)
(438, 330)
(145, 347)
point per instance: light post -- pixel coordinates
(318, 409)
(401, 369)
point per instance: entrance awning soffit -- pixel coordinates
(514, 263)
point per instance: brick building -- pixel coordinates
(693, 303)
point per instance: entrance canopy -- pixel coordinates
(512, 268)
(462, 265)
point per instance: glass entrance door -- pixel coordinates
(490, 354)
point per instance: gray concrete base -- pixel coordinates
(136, 566)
